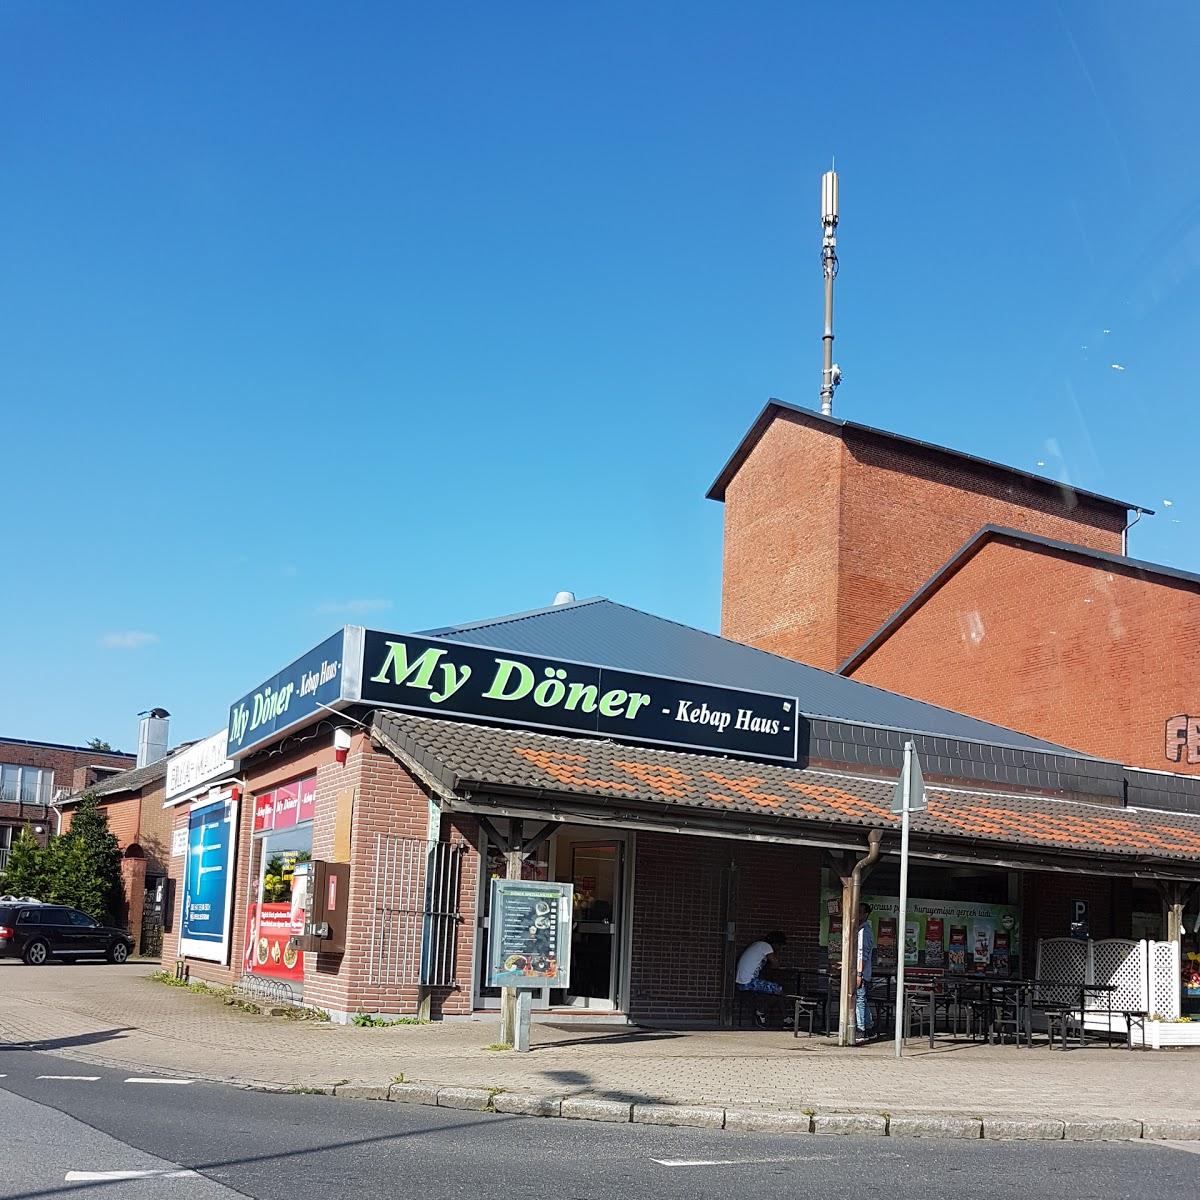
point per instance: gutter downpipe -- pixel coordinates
(1125, 533)
(851, 888)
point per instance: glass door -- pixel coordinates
(596, 871)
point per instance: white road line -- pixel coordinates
(111, 1176)
(78, 1078)
(735, 1162)
(136, 1079)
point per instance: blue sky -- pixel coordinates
(404, 314)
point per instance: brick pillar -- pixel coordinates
(133, 887)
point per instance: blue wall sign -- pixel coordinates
(207, 915)
(293, 696)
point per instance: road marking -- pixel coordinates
(136, 1079)
(735, 1162)
(1186, 1147)
(78, 1078)
(112, 1176)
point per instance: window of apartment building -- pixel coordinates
(26, 785)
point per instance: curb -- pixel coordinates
(814, 1122)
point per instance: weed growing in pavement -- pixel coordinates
(499, 1046)
(305, 1091)
(198, 986)
(401, 1078)
(371, 1021)
(300, 1012)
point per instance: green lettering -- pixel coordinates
(581, 696)
(637, 700)
(397, 662)
(611, 702)
(507, 667)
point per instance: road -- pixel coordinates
(65, 1127)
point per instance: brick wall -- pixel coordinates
(1048, 904)
(62, 760)
(827, 533)
(680, 913)
(1073, 651)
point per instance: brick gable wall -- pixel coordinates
(1072, 651)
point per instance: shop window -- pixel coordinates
(282, 840)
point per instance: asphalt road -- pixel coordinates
(202, 1141)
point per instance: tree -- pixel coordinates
(27, 873)
(97, 744)
(85, 864)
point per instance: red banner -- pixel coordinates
(264, 812)
(308, 798)
(287, 806)
(268, 929)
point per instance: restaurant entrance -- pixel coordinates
(595, 862)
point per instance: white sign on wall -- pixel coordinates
(179, 841)
(198, 764)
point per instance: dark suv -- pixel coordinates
(37, 932)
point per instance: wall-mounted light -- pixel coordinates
(341, 745)
(39, 829)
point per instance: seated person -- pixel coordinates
(758, 957)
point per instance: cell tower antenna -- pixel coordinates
(831, 375)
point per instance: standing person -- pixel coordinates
(756, 958)
(864, 953)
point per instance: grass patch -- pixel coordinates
(371, 1021)
(300, 1012)
(401, 1078)
(499, 1046)
(196, 986)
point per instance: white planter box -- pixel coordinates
(1170, 1033)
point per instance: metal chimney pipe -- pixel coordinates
(830, 375)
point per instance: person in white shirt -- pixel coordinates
(864, 954)
(757, 957)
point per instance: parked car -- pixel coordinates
(37, 932)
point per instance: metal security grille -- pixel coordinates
(415, 912)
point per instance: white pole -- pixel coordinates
(901, 935)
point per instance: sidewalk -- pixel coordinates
(117, 1016)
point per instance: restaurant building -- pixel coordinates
(694, 790)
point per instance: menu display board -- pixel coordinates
(955, 935)
(530, 937)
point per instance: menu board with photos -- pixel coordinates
(530, 934)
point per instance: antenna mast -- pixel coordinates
(831, 375)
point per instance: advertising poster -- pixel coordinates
(957, 957)
(934, 933)
(531, 934)
(885, 944)
(940, 934)
(1000, 948)
(207, 913)
(269, 928)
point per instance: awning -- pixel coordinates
(512, 771)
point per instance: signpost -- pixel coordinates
(530, 943)
(908, 797)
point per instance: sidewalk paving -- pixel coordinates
(118, 1016)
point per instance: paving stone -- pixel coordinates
(414, 1093)
(1172, 1131)
(464, 1097)
(678, 1114)
(1107, 1130)
(936, 1127)
(362, 1091)
(774, 1122)
(527, 1105)
(1022, 1129)
(584, 1108)
(851, 1123)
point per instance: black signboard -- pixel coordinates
(530, 935)
(446, 678)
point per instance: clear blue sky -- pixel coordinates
(408, 314)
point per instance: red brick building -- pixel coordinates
(32, 774)
(678, 855)
(1058, 640)
(831, 526)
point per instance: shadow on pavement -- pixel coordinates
(65, 1043)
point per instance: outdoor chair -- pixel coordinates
(804, 1006)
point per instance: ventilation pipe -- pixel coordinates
(152, 736)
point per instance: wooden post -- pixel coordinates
(514, 857)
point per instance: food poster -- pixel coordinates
(934, 945)
(957, 956)
(531, 931)
(936, 922)
(1000, 949)
(885, 944)
(982, 933)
